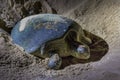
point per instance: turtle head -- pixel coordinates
(81, 51)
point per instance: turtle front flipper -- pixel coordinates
(82, 38)
(55, 61)
(76, 33)
(86, 40)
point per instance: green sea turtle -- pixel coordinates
(53, 36)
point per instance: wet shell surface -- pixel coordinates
(33, 31)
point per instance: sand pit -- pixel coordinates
(101, 20)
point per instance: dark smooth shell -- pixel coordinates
(38, 29)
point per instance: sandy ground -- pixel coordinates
(100, 17)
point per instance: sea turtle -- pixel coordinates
(51, 35)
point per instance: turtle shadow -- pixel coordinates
(98, 49)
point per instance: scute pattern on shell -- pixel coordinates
(33, 31)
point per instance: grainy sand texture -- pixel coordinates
(99, 18)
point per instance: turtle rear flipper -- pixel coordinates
(55, 62)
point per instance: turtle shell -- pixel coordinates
(33, 31)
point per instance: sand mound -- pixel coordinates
(99, 17)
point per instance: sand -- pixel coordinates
(99, 17)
